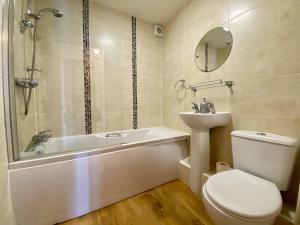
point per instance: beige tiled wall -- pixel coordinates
(60, 96)
(264, 65)
(6, 212)
(110, 34)
(149, 68)
(58, 102)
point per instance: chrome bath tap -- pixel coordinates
(37, 139)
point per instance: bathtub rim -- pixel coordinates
(65, 156)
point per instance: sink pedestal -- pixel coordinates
(200, 158)
(200, 155)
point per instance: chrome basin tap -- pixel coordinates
(195, 108)
(207, 107)
(211, 108)
(37, 139)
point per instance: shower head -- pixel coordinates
(55, 13)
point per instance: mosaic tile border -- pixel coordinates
(86, 67)
(206, 57)
(134, 74)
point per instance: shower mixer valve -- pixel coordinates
(26, 83)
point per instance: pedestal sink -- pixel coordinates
(200, 149)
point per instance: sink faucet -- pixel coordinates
(211, 108)
(207, 107)
(195, 107)
(37, 139)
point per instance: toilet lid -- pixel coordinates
(244, 195)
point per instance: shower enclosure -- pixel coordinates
(77, 68)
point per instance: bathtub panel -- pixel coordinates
(52, 193)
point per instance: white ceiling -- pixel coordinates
(153, 11)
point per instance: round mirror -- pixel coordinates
(213, 49)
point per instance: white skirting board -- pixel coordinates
(56, 192)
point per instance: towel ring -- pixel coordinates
(180, 85)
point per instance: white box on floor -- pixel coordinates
(184, 167)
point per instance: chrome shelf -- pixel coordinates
(211, 84)
(181, 84)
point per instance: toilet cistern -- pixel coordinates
(201, 123)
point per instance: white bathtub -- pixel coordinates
(92, 172)
(101, 141)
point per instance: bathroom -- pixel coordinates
(103, 117)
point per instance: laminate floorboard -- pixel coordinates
(170, 204)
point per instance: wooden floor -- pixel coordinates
(169, 204)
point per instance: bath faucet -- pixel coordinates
(195, 107)
(37, 139)
(207, 107)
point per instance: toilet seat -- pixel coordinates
(243, 195)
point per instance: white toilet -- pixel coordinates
(250, 193)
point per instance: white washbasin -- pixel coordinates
(200, 121)
(199, 148)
